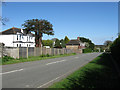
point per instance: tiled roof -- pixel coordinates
(12, 30)
(73, 42)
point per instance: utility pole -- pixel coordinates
(118, 18)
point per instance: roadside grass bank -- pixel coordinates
(99, 73)
(9, 60)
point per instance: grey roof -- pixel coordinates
(53, 39)
(99, 45)
(73, 42)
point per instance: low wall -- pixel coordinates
(25, 52)
(13, 52)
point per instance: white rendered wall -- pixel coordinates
(9, 39)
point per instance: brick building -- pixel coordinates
(76, 45)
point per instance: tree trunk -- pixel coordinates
(40, 41)
(36, 40)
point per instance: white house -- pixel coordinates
(16, 37)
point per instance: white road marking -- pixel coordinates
(55, 62)
(27, 85)
(48, 82)
(53, 79)
(76, 57)
(11, 71)
(62, 75)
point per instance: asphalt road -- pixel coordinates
(40, 74)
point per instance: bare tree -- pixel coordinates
(2, 19)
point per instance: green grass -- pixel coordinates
(32, 58)
(99, 73)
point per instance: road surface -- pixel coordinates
(41, 74)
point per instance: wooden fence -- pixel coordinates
(25, 52)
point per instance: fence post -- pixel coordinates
(27, 52)
(34, 50)
(41, 51)
(63, 51)
(1, 51)
(18, 53)
(54, 51)
(58, 51)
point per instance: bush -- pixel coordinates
(7, 58)
(115, 49)
(96, 50)
(87, 50)
(61, 54)
(42, 55)
(47, 55)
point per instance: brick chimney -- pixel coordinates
(78, 38)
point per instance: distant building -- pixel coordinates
(46, 46)
(76, 45)
(16, 37)
(100, 48)
(54, 39)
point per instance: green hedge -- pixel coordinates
(87, 50)
(115, 49)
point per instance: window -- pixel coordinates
(27, 38)
(20, 37)
(17, 45)
(27, 45)
(17, 37)
(20, 45)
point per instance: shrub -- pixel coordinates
(96, 50)
(115, 49)
(42, 55)
(61, 54)
(74, 53)
(7, 58)
(87, 50)
(47, 55)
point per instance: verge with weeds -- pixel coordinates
(10, 60)
(99, 73)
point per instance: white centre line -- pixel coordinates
(55, 62)
(61, 76)
(11, 71)
(76, 57)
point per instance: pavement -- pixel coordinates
(43, 73)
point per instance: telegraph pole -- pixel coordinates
(118, 18)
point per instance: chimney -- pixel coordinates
(78, 38)
(21, 30)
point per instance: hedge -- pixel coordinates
(87, 50)
(115, 49)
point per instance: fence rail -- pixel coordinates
(25, 52)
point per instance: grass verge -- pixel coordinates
(99, 73)
(34, 58)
